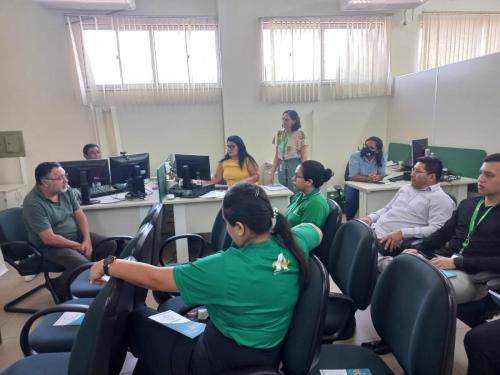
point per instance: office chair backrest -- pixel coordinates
(100, 346)
(302, 343)
(220, 238)
(353, 262)
(149, 251)
(332, 224)
(414, 312)
(346, 172)
(12, 225)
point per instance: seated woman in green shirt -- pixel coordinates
(309, 205)
(250, 291)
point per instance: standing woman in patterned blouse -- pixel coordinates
(291, 149)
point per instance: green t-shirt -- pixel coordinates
(40, 213)
(310, 208)
(250, 292)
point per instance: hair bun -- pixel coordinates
(328, 174)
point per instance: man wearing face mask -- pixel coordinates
(367, 165)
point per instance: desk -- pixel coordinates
(120, 218)
(196, 215)
(373, 197)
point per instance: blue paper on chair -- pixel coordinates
(494, 296)
(449, 274)
(349, 371)
(179, 323)
(70, 318)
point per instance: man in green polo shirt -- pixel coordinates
(57, 225)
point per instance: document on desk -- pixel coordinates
(112, 198)
(274, 187)
(214, 194)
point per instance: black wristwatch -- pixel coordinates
(458, 261)
(105, 265)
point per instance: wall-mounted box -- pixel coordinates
(11, 144)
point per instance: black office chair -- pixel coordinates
(100, 346)
(23, 256)
(353, 267)
(78, 285)
(332, 224)
(414, 312)
(220, 240)
(46, 338)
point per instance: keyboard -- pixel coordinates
(397, 178)
(103, 190)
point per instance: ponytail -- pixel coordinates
(282, 229)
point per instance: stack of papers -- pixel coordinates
(179, 323)
(275, 187)
(214, 194)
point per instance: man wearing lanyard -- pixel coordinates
(469, 242)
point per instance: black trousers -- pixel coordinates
(482, 345)
(163, 351)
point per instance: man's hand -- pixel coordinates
(444, 263)
(366, 219)
(392, 240)
(86, 248)
(373, 177)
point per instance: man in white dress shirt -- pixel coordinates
(416, 211)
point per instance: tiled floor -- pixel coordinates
(11, 285)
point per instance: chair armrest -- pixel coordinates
(343, 304)
(29, 248)
(74, 274)
(195, 237)
(25, 346)
(118, 239)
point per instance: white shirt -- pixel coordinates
(418, 213)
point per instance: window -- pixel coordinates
(300, 53)
(145, 54)
(446, 38)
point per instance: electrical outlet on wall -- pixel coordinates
(11, 144)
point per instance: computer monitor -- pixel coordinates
(418, 147)
(131, 169)
(192, 167)
(96, 172)
(84, 174)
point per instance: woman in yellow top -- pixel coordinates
(237, 165)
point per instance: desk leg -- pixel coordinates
(180, 225)
(363, 204)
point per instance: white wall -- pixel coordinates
(456, 105)
(40, 96)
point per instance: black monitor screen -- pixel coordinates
(96, 170)
(197, 165)
(418, 147)
(122, 167)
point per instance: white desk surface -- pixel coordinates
(196, 215)
(370, 187)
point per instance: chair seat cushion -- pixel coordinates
(81, 288)
(47, 338)
(338, 316)
(42, 364)
(337, 356)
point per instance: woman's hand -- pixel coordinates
(96, 273)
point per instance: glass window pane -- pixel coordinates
(102, 53)
(334, 49)
(135, 52)
(203, 57)
(171, 59)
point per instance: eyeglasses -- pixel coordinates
(60, 178)
(297, 176)
(231, 146)
(370, 148)
(416, 171)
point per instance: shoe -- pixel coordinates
(29, 278)
(379, 347)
